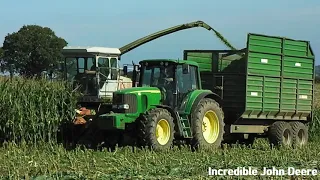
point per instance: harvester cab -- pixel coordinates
(95, 72)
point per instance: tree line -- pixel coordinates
(31, 50)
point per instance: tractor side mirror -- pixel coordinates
(137, 67)
(125, 70)
(185, 68)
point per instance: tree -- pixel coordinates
(32, 50)
(1, 60)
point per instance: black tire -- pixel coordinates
(147, 129)
(300, 134)
(198, 141)
(280, 134)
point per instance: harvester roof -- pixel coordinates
(92, 50)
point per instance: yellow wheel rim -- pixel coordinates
(163, 132)
(210, 127)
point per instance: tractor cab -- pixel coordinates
(173, 77)
(94, 71)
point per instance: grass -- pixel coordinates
(34, 118)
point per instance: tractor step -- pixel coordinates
(186, 127)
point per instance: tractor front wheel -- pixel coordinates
(207, 125)
(156, 129)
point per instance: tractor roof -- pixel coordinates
(92, 50)
(171, 60)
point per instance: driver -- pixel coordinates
(168, 75)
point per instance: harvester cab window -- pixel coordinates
(114, 68)
(91, 64)
(71, 67)
(103, 64)
(81, 65)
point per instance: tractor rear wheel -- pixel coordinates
(156, 129)
(280, 134)
(207, 123)
(299, 134)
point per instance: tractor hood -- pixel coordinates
(137, 99)
(139, 90)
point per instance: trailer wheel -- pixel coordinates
(280, 134)
(156, 130)
(299, 134)
(207, 125)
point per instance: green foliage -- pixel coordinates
(54, 162)
(1, 52)
(1, 60)
(34, 109)
(32, 50)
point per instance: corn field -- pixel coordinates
(32, 110)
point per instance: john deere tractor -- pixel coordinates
(167, 105)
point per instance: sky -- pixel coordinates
(115, 23)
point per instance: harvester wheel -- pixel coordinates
(207, 125)
(280, 134)
(156, 130)
(299, 134)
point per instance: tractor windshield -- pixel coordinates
(156, 75)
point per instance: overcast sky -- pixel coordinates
(116, 23)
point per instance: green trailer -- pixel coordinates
(271, 79)
(216, 96)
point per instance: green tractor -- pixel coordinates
(168, 104)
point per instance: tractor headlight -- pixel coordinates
(121, 106)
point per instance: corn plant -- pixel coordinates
(32, 110)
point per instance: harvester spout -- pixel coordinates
(170, 30)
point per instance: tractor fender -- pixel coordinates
(202, 95)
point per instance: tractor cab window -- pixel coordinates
(187, 82)
(158, 76)
(161, 76)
